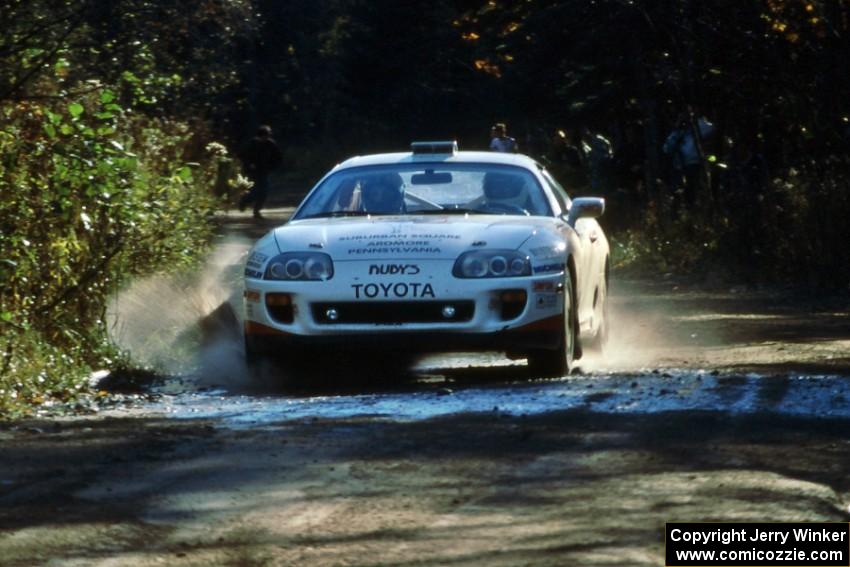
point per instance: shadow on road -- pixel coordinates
(562, 487)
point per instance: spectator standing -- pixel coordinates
(750, 205)
(565, 160)
(500, 141)
(564, 149)
(599, 155)
(260, 156)
(685, 156)
(536, 142)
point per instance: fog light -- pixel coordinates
(280, 307)
(332, 314)
(513, 303)
(449, 311)
(278, 299)
(518, 296)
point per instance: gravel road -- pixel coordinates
(721, 405)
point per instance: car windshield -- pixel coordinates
(427, 188)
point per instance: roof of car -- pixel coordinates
(458, 157)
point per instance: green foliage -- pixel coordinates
(683, 245)
(40, 373)
(165, 57)
(793, 230)
(102, 178)
(91, 194)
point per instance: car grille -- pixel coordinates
(392, 312)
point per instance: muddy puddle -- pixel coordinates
(436, 391)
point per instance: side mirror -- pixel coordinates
(585, 207)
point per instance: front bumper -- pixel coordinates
(543, 334)
(482, 324)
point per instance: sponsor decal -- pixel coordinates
(396, 237)
(424, 243)
(256, 260)
(254, 265)
(545, 300)
(393, 269)
(425, 219)
(546, 268)
(392, 290)
(374, 243)
(396, 250)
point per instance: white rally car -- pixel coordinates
(428, 251)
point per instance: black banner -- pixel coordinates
(809, 544)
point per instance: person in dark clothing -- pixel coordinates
(566, 162)
(686, 156)
(500, 141)
(599, 157)
(260, 156)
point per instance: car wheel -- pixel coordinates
(558, 362)
(600, 340)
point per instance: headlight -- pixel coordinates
(492, 264)
(294, 266)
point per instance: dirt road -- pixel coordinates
(729, 405)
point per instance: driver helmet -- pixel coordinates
(505, 188)
(382, 193)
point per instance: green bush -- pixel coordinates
(91, 194)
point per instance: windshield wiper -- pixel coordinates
(450, 211)
(328, 214)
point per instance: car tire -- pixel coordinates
(599, 342)
(262, 370)
(549, 363)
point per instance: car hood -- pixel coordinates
(420, 237)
